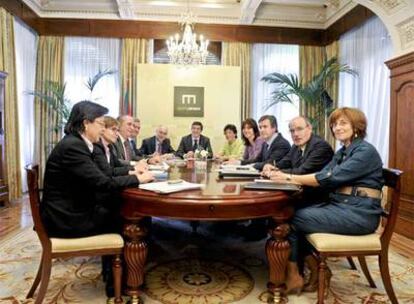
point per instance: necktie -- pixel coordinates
(195, 146)
(266, 151)
(133, 144)
(128, 150)
(159, 150)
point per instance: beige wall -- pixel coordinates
(155, 104)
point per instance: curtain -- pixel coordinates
(8, 65)
(332, 50)
(365, 49)
(85, 57)
(49, 68)
(134, 51)
(26, 45)
(266, 59)
(311, 60)
(238, 54)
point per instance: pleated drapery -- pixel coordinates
(11, 114)
(49, 68)
(134, 51)
(239, 54)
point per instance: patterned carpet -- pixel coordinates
(212, 266)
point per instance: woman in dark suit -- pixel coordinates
(354, 179)
(70, 206)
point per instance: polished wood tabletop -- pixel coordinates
(218, 199)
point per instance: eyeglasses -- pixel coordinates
(99, 122)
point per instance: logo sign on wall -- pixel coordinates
(188, 101)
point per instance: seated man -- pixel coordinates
(159, 143)
(122, 146)
(194, 141)
(309, 154)
(135, 132)
(274, 148)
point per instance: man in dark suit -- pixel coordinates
(309, 154)
(122, 146)
(275, 146)
(159, 143)
(194, 141)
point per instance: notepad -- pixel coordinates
(165, 187)
(266, 184)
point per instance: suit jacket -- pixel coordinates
(148, 146)
(118, 148)
(318, 153)
(186, 145)
(114, 167)
(70, 205)
(277, 150)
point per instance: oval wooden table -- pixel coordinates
(218, 200)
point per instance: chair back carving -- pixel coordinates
(32, 171)
(392, 181)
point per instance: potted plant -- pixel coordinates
(312, 94)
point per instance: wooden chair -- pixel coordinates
(335, 245)
(99, 245)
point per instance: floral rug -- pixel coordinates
(211, 266)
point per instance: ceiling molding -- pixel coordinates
(248, 10)
(105, 27)
(281, 13)
(125, 9)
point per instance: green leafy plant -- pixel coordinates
(312, 94)
(53, 95)
(92, 81)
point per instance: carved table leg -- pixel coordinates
(277, 251)
(135, 255)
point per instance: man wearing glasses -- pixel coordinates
(308, 154)
(158, 144)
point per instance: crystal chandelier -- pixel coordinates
(187, 51)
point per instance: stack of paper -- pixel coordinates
(266, 184)
(238, 171)
(165, 187)
(161, 167)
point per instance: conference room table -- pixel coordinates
(218, 200)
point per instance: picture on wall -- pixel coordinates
(189, 101)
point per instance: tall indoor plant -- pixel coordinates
(53, 96)
(312, 94)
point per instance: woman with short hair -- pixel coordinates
(233, 148)
(70, 206)
(354, 178)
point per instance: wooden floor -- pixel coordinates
(18, 216)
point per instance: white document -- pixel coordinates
(161, 167)
(165, 187)
(238, 169)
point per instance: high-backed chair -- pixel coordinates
(335, 245)
(99, 245)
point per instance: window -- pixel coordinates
(269, 58)
(84, 58)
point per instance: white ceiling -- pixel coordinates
(318, 14)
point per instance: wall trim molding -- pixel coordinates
(162, 30)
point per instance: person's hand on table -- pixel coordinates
(145, 177)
